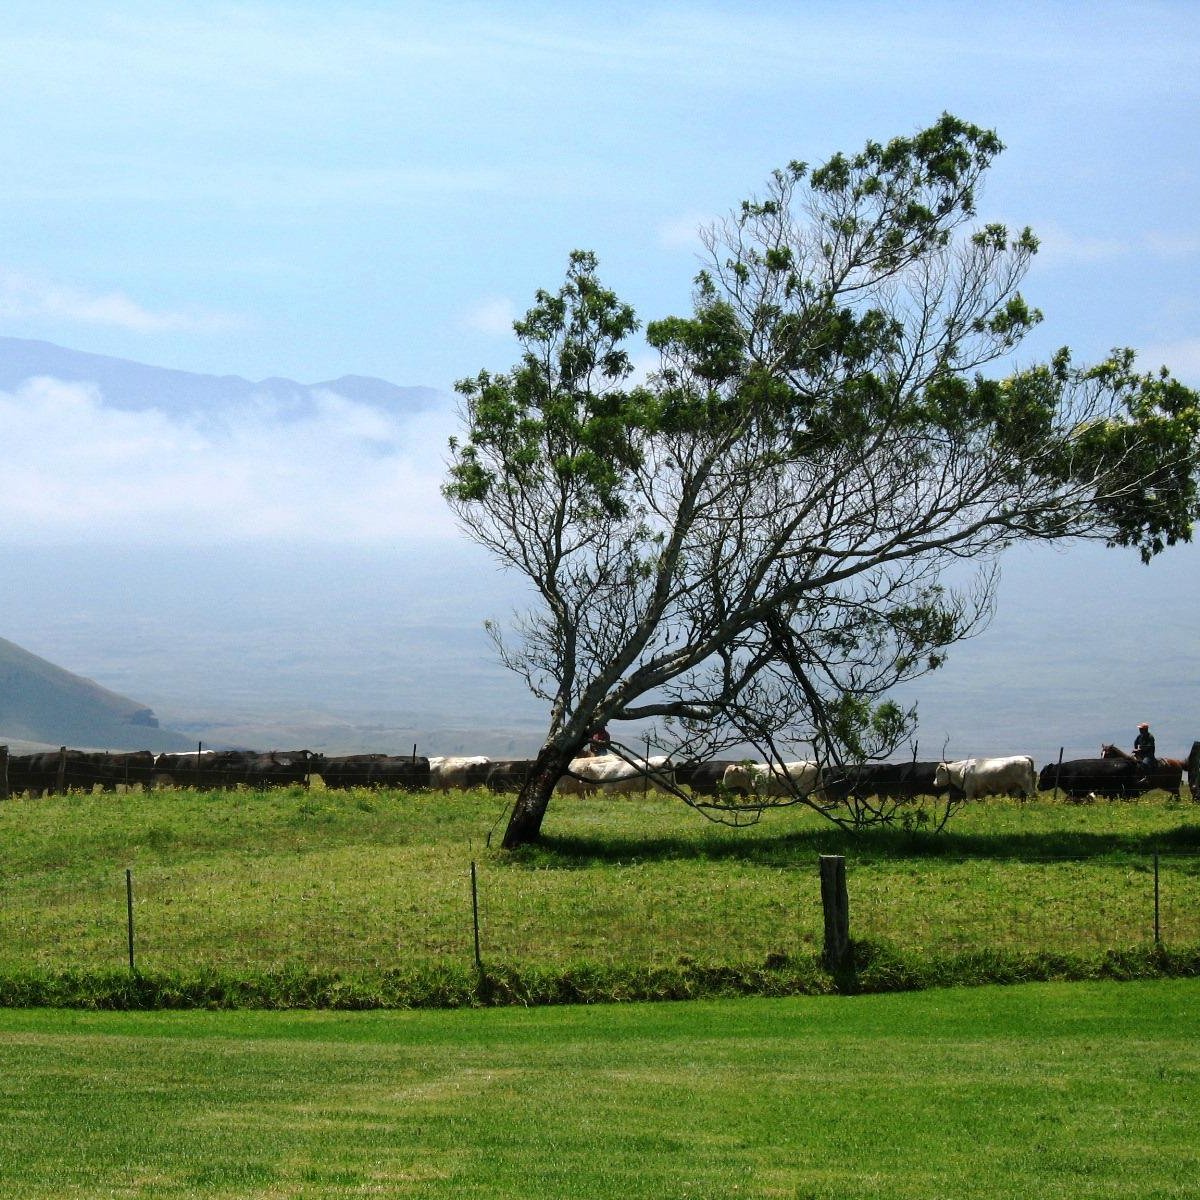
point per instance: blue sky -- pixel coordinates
(312, 190)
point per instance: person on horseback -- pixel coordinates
(1143, 748)
(599, 741)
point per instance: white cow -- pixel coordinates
(771, 779)
(610, 773)
(449, 771)
(975, 777)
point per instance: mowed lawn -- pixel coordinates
(1042, 1090)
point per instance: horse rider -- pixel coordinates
(599, 742)
(1143, 748)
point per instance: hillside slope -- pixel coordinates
(40, 702)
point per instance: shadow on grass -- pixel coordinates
(801, 849)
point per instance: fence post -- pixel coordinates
(1057, 770)
(3, 772)
(1157, 926)
(129, 915)
(475, 915)
(61, 779)
(835, 901)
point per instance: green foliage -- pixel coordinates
(1148, 451)
(750, 548)
(558, 420)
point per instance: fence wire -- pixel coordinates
(652, 913)
(1063, 904)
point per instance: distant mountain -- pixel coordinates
(40, 702)
(134, 386)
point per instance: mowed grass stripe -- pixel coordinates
(1050, 1090)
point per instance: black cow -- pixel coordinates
(77, 770)
(111, 770)
(220, 769)
(508, 775)
(406, 772)
(887, 781)
(349, 770)
(33, 773)
(1083, 777)
(279, 768)
(704, 778)
(207, 770)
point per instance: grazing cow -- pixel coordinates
(798, 778)
(979, 777)
(886, 781)
(458, 772)
(407, 773)
(610, 773)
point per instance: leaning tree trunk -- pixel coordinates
(525, 821)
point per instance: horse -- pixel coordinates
(1167, 773)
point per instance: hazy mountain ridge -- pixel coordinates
(376, 643)
(43, 703)
(135, 387)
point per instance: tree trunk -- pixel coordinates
(525, 821)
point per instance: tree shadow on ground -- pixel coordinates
(802, 848)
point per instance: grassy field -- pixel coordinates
(370, 882)
(1049, 1090)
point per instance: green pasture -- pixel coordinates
(1048, 1090)
(364, 882)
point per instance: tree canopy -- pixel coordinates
(751, 546)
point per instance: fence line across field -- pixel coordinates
(159, 918)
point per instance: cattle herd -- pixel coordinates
(1112, 775)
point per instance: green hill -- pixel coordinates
(40, 702)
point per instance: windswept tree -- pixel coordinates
(753, 546)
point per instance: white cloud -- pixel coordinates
(494, 315)
(683, 232)
(23, 295)
(81, 471)
(1182, 357)
(1173, 245)
(1059, 246)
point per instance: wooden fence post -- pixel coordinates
(62, 771)
(475, 915)
(835, 901)
(129, 916)
(3, 772)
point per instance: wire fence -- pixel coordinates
(183, 918)
(1061, 904)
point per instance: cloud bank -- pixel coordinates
(80, 471)
(23, 295)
